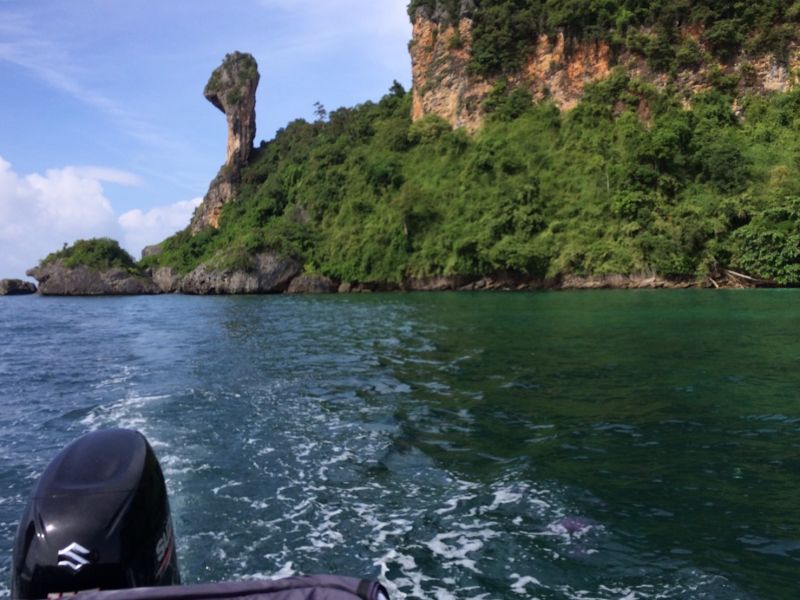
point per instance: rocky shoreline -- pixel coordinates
(56, 279)
(274, 274)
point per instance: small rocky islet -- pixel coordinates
(16, 287)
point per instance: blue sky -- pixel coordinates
(104, 128)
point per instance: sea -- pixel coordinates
(627, 445)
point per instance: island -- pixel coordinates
(538, 148)
(16, 287)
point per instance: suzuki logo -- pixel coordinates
(74, 557)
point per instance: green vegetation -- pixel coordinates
(98, 254)
(244, 67)
(505, 30)
(368, 196)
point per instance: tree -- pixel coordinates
(319, 112)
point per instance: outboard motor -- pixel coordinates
(98, 518)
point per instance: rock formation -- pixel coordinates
(232, 89)
(440, 53)
(57, 279)
(16, 287)
(443, 84)
(271, 274)
(167, 279)
(312, 284)
(153, 250)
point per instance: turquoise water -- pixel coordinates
(630, 445)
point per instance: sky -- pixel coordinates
(104, 130)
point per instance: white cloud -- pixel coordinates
(140, 229)
(38, 213)
(41, 212)
(107, 174)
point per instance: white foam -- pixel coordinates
(287, 570)
(225, 486)
(443, 594)
(452, 504)
(306, 449)
(124, 413)
(411, 580)
(504, 496)
(463, 544)
(522, 582)
(173, 465)
(621, 593)
(300, 509)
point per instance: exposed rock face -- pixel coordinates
(221, 191)
(272, 275)
(232, 89)
(153, 250)
(312, 284)
(626, 282)
(436, 283)
(443, 85)
(56, 279)
(440, 55)
(16, 287)
(167, 279)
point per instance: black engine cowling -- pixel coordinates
(98, 518)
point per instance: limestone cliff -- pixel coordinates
(232, 89)
(440, 54)
(559, 69)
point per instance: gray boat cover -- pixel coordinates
(317, 587)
